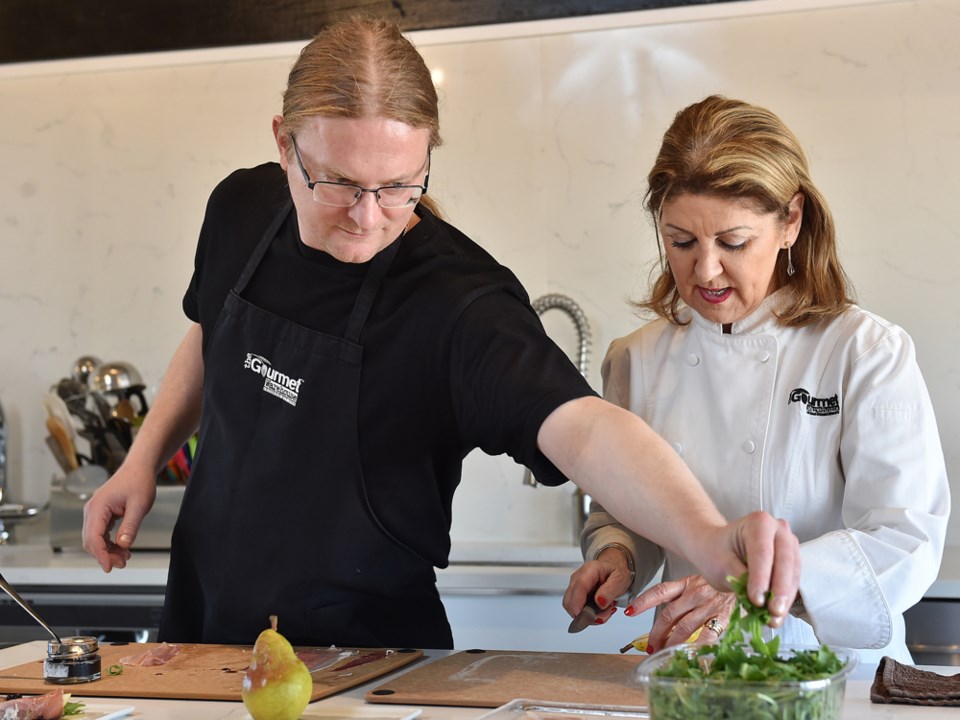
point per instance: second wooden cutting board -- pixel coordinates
(491, 678)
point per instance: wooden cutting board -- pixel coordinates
(200, 672)
(490, 678)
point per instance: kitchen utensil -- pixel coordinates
(124, 410)
(88, 419)
(8, 589)
(100, 453)
(58, 454)
(56, 407)
(137, 391)
(73, 393)
(84, 367)
(116, 453)
(103, 407)
(121, 430)
(59, 433)
(115, 377)
(585, 618)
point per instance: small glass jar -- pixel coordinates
(72, 660)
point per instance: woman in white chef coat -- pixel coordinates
(777, 391)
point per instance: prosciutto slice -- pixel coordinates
(39, 707)
(319, 658)
(160, 655)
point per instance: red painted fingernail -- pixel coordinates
(601, 601)
(629, 611)
(649, 649)
(600, 621)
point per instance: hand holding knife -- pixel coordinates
(585, 618)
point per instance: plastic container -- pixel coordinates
(522, 709)
(672, 698)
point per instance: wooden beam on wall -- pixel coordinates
(35, 30)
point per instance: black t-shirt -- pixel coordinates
(454, 356)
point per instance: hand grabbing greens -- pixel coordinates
(746, 681)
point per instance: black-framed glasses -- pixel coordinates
(338, 194)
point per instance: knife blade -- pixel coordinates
(585, 618)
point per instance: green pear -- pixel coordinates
(277, 685)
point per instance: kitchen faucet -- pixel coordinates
(9, 512)
(551, 301)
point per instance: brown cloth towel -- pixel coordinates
(899, 683)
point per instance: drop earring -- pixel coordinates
(791, 271)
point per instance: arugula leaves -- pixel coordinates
(72, 708)
(732, 663)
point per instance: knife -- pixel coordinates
(585, 618)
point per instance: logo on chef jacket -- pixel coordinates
(815, 405)
(274, 382)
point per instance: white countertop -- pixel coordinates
(856, 705)
(506, 570)
(475, 569)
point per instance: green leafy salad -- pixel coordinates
(747, 681)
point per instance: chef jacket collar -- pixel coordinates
(761, 320)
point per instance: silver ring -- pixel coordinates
(715, 626)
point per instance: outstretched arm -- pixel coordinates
(129, 494)
(617, 458)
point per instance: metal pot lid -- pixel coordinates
(84, 367)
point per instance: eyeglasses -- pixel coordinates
(338, 194)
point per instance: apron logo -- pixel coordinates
(274, 382)
(815, 405)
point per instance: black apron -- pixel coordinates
(276, 519)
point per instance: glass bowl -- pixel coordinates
(672, 698)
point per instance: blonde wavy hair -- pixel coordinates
(362, 67)
(731, 149)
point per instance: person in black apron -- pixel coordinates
(279, 516)
(235, 561)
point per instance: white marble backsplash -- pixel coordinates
(549, 129)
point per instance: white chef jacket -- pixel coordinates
(828, 426)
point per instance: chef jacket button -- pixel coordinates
(678, 447)
(749, 446)
(693, 359)
(763, 356)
